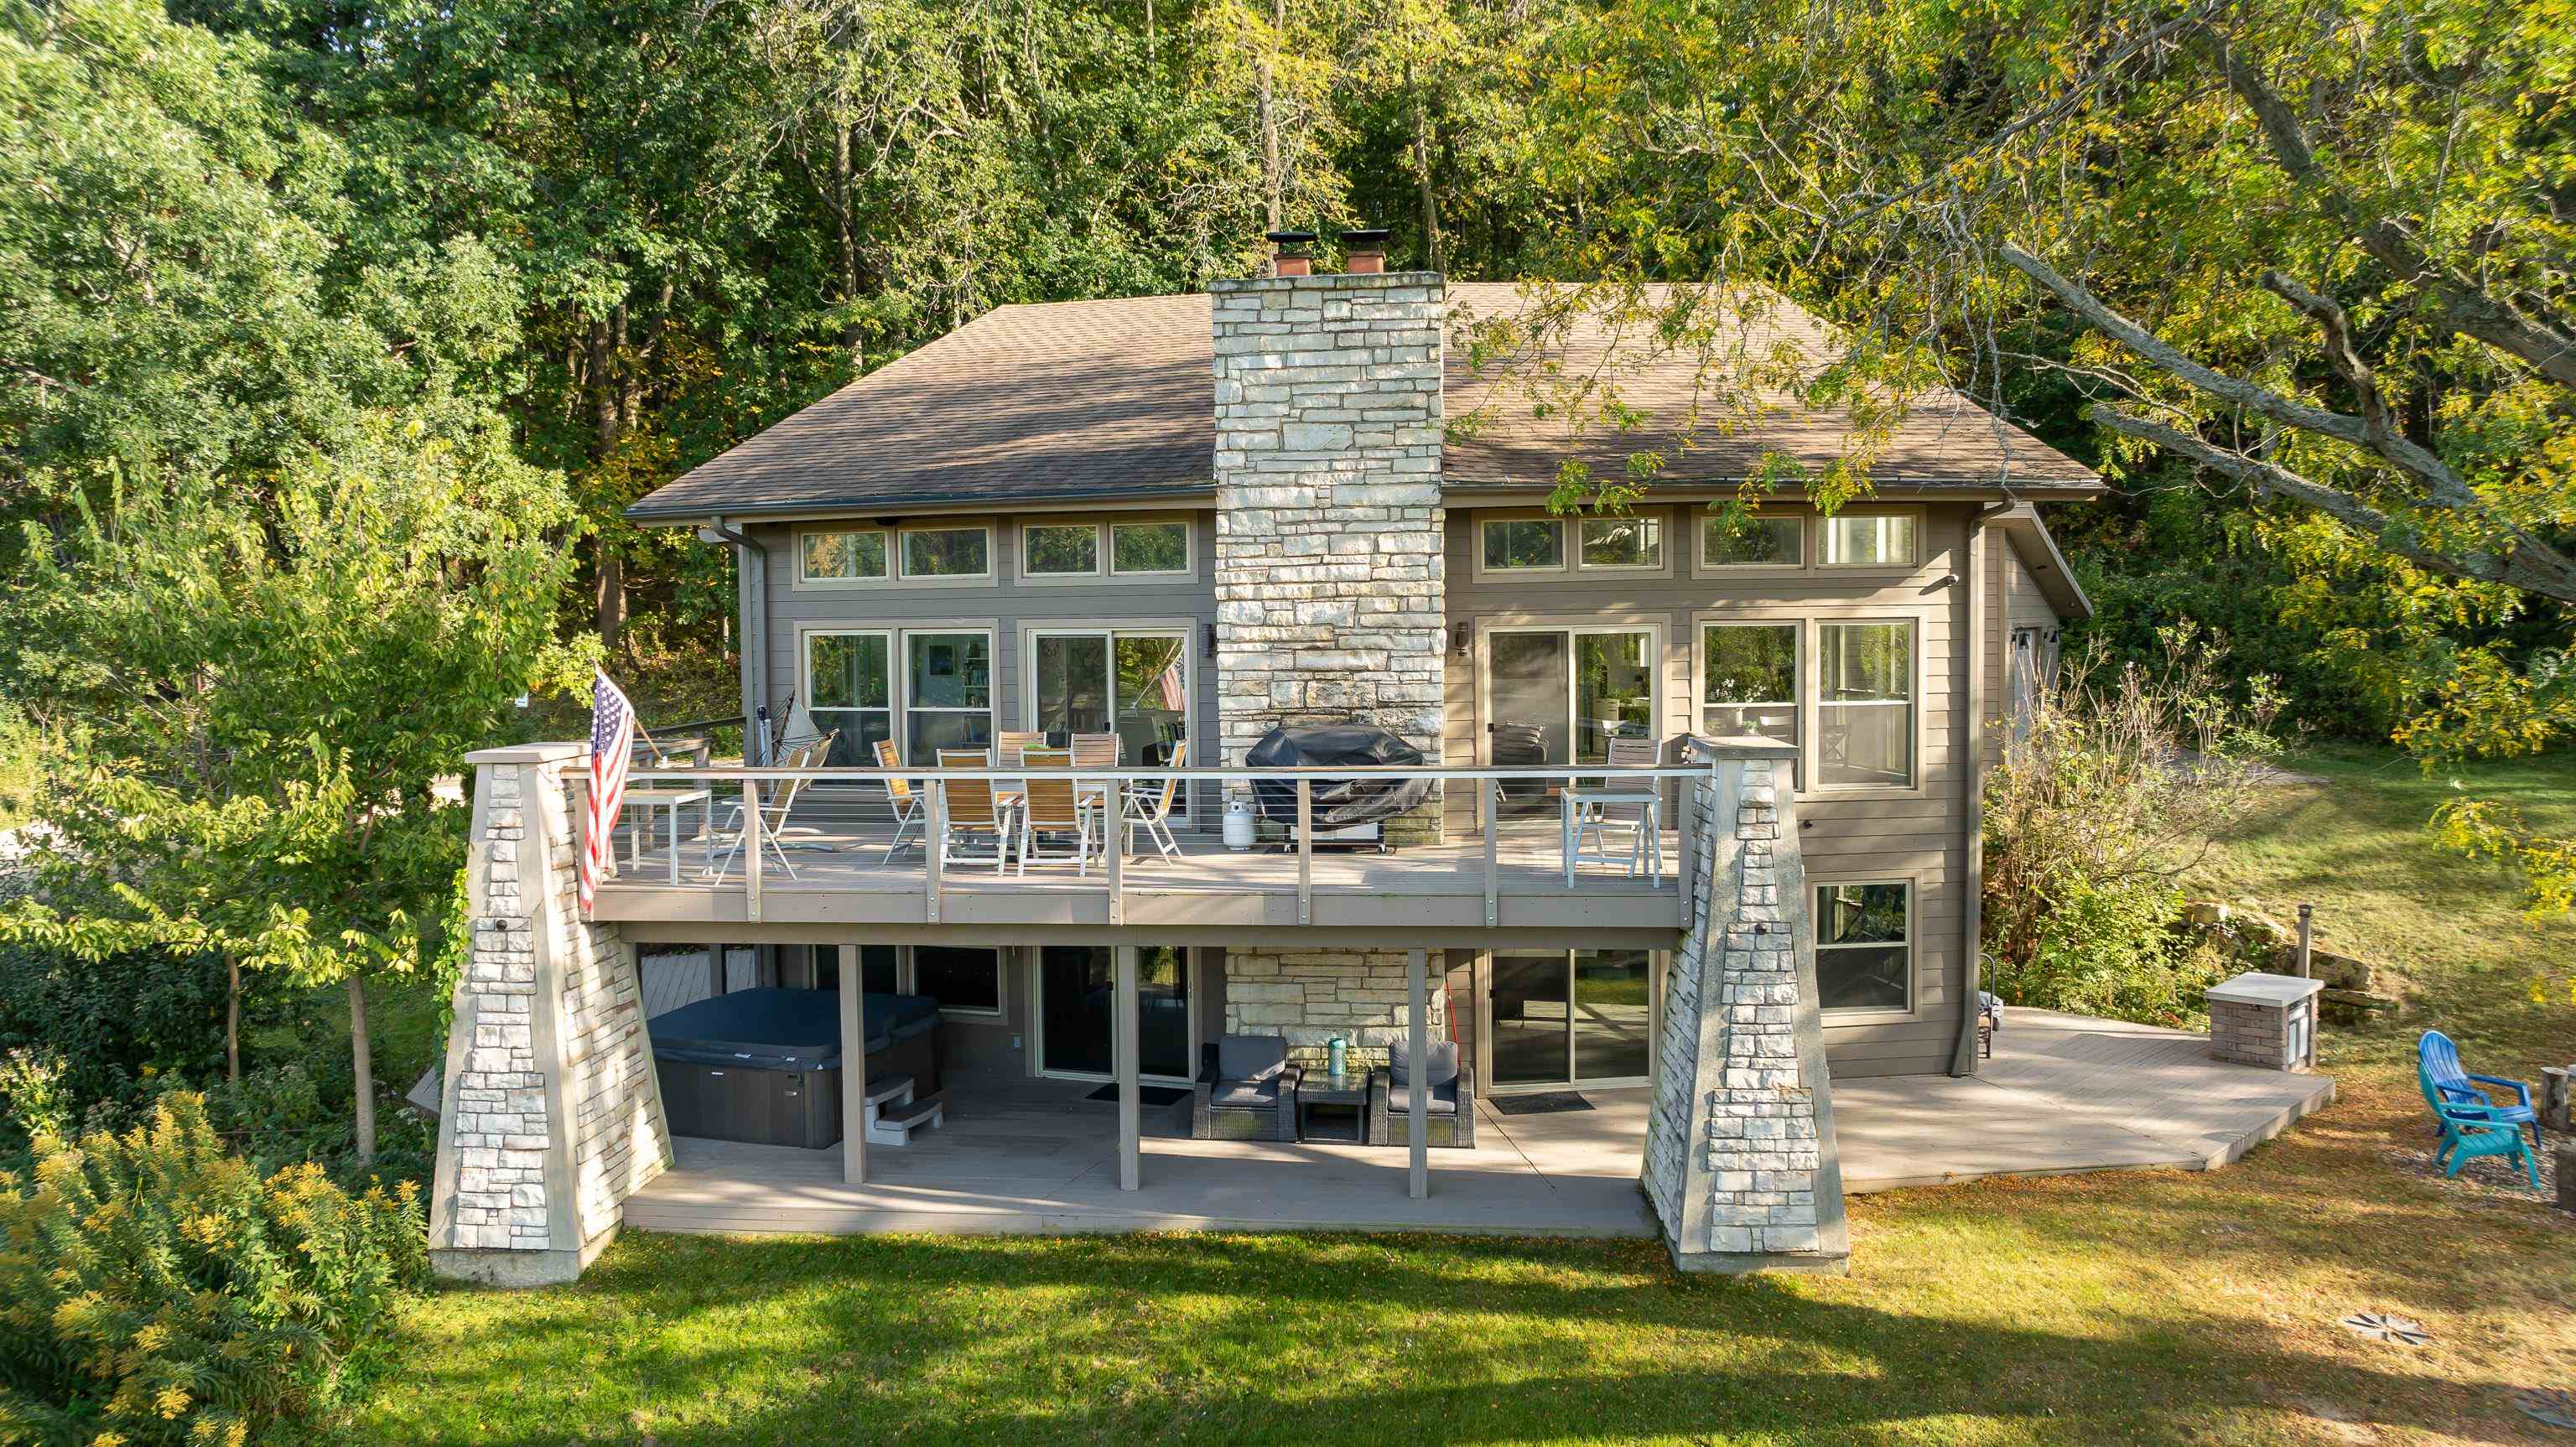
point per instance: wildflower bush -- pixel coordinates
(156, 1287)
(2111, 788)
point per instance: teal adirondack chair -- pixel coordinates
(2471, 1124)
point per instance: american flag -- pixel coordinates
(612, 738)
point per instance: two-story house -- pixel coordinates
(1187, 520)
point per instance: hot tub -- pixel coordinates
(764, 1066)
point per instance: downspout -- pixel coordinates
(1972, 926)
(751, 586)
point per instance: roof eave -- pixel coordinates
(644, 511)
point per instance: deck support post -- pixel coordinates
(1130, 1105)
(854, 1074)
(1305, 850)
(1417, 987)
(1493, 816)
(934, 851)
(1113, 842)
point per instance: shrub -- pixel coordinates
(119, 1025)
(2108, 793)
(156, 1288)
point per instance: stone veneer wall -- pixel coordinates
(1310, 996)
(1329, 524)
(550, 1113)
(1740, 1160)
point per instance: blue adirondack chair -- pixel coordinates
(2472, 1124)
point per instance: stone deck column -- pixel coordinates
(550, 1115)
(1741, 1165)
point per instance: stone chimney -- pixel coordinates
(1329, 521)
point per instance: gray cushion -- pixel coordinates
(1243, 1096)
(1250, 1057)
(1443, 1100)
(1440, 1067)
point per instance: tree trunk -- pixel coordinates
(1274, 184)
(362, 1058)
(844, 207)
(232, 1021)
(1422, 173)
(607, 425)
(611, 566)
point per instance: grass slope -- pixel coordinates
(2143, 1307)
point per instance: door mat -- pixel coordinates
(1545, 1102)
(1146, 1094)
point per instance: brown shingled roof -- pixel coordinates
(1099, 400)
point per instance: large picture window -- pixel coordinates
(1865, 946)
(959, 978)
(849, 686)
(1865, 705)
(1749, 680)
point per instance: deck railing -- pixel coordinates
(746, 787)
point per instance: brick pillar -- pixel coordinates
(1329, 524)
(550, 1113)
(1741, 1165)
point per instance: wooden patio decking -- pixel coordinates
(2062, 1094)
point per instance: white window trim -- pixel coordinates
(1798, 642)
(1812, 735)
(983, 579)
(1875, 1014)
(1189, 567)
(899, 666)
(1662, 567)
(805, 582)
(907, 972)
(1563, 566)
(1824, 537)
(1807, 545)
(1099, 553)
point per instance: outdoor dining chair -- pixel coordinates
(1149, 806)
(900, 797)
(774, 809)
(974, 811)
(1052, 805)
(1097, 751)
(1642, 821)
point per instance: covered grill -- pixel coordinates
(1358, 804)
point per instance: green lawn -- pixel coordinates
(2141, 1307)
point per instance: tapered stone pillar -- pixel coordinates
(1740, 1158)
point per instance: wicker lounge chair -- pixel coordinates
(1246, 1090)
(1451, 1103)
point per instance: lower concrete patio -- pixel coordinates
(2062, 1094)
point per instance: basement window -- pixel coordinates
(1865, 946)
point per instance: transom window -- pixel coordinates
(842, 557)
(1872, 540)
(1757, 542)
(1623, 542)
(1149, 548)
(1865, 946)
(1865, 705)
(1060, 550)
(1524, 544)
(965, 552)
(1749, 680)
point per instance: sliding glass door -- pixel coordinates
(1133, 683)
(1556, 697)
(1579, 1017)
(1077, 998)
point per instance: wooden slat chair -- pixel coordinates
(901, 797)
(1098, 751)
(1150, 807)
(1009, 744)
(2471, 1124)
(1053, 805)
(1644, 825)
(972, 809)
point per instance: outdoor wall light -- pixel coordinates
(1209, 638)
(1462, 638)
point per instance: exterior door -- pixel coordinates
(1134, 684)
(1565, 1018)
(1558, 696)
(1077, 1010)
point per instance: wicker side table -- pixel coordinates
(1345, 1091)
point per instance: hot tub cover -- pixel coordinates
(1338, 803)
(778, 1029)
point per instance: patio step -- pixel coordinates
(892, 1122)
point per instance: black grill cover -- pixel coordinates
(1339, 803)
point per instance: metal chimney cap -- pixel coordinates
(1373, 239)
